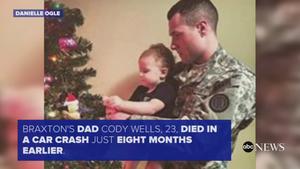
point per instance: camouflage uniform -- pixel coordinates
(221, 88)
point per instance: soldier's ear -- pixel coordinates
(202, 27)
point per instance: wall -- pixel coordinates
(21, 77)
(21, 45)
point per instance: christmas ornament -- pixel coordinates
(48, 79)
(67, 44)
(66, 167)
(46, 87)
(53, 58)
(47, 82)
(73, 107)
(52, 114)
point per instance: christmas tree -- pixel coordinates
(66, 90)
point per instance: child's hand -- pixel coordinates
(110, 110)
(106, 100)
(108, 104)
(118, 116)
(114, 102)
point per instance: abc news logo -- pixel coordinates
(267, 147)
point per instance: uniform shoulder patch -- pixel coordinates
(219, 103)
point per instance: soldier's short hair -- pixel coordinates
(194, 10)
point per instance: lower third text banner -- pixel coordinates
(124, 140)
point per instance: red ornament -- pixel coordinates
(66, 166)
(66, 44)
(71, 99)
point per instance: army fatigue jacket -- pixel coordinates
(221, 88)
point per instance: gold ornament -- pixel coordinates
(71, 115)
(52, 114)
(53, 58)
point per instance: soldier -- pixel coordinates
(212, 84)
